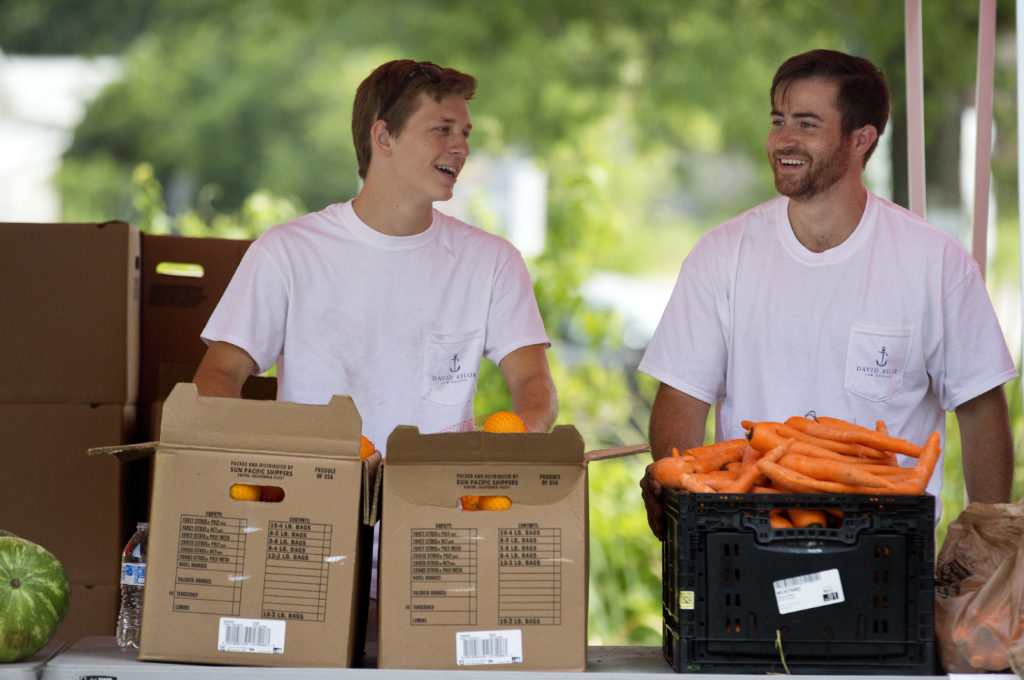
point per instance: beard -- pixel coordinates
(824, 173)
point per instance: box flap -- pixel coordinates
(126, 453)
(371, 468)
(616, 452)
(189, 420)
(562, 446)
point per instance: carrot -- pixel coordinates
(667, 471)
(832, 471)
(849, 448)
(765, 435)
(751, 473)
(839, 430)
(778, 521)
(806, 517)
(690, 484)
(926, 462)
(792, 481)
(714, 456)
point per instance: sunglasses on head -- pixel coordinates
(429, 70)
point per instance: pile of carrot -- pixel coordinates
(802, 455)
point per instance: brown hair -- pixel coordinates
(863, 97)
(408, 78)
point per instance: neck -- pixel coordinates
(391, 214)
(827, 220)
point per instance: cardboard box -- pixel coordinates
(182, 282)
(277, 583)
(255, 387)
(70, 298)
(82, 510)
(504, 589)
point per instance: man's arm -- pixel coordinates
(986, 445)
(528, 377)
(678, 420)
(223, 371)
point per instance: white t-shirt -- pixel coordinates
(894, 324)
(398, 323)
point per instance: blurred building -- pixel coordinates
(42, 100)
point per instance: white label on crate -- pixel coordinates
(686, 599)
(480, 647)
(261, 636)
(133, 574)
(808, 591)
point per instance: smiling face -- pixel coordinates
(807, 150)
(432, 148)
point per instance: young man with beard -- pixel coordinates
(383, 297)
(831, 300)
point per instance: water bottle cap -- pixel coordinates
(142, 525)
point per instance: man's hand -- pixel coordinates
(677, 420)
(651, 492)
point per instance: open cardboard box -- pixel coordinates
(499, 589)
(282, 581)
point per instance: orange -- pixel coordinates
(245, 492)
(366, 447)
(504, 421)
(271, 494)
(469, 503)
(495, 502)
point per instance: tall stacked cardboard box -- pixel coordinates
(99, 322)
(69, 294)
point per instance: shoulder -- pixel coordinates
(304, 226)
(912, 230)
(754, 223)
(461, 236)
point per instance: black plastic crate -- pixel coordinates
(722, 563)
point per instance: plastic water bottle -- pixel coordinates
(133, 580)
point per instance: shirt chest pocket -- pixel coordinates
(876, 360)
(451, 363)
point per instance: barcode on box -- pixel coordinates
(478, 648)
(808, 591)
(260, 636)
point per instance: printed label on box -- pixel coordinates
(133, 574)
(808, 591)
(477, 648)
(260, 636)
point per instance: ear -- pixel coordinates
(380, 137)
(863, 138)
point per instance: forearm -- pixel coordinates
(986, 442)
(677, 420)
(223, 371)
(528, 377)
(535, 401)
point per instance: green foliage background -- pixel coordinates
(233, 115)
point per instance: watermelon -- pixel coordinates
(34, 597)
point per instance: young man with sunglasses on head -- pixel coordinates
(831, 300)
(383, 297)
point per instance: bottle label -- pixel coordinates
(133, 574)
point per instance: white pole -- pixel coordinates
(1020, 153)
(983, 147)
(915, 105)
